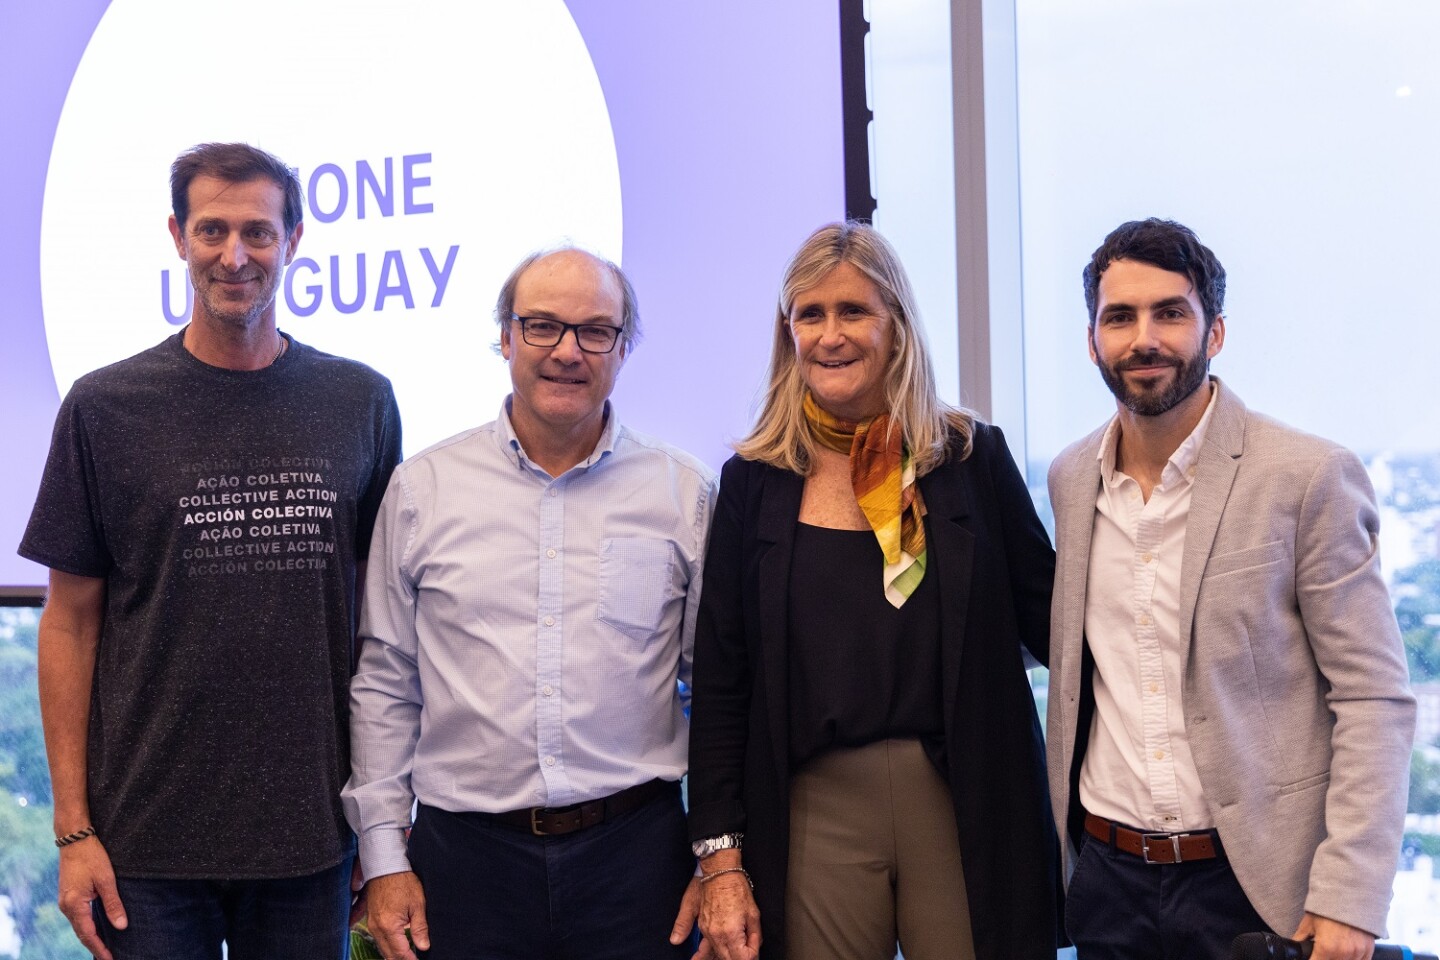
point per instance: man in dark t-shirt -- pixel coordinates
(201, 512)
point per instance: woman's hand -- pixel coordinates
(729, 918)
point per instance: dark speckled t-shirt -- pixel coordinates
(226, 510)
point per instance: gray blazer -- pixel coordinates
(1297, 701)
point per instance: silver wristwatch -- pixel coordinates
(726, 841)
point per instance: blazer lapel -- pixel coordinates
(951, 550)
(1215, 470)
(1074, 525)
(1074, 490)
(775, 530)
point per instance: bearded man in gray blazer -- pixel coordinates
(1230, 719)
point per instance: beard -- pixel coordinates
(1190, 373)
(235, 312)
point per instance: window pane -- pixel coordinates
(31, 925)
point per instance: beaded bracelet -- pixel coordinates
(75, 837)
(707, 877)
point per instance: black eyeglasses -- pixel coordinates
(544, 332)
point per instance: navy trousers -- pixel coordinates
(299, 918)
(610, 892)
(1118, 907)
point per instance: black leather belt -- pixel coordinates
(1154, 847)
(558, 821)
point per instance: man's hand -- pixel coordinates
(357, 891)
(69, 636)
(86, 875)
(396, 902)
(1335, 940)
(729, 918)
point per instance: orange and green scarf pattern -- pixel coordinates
(882, 473)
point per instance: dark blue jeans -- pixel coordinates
(300, 918)
(610, 892)
(1118, 907)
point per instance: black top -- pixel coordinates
(860, 669)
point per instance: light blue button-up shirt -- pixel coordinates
(523, 635)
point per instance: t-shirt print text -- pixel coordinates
(258, 515)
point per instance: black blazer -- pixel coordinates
(996, 569)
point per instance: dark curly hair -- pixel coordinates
(1165, 244)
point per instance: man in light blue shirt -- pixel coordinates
(529, 617)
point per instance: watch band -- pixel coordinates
(725, 841)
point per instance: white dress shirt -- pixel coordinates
(1138, 769)
(523, 635)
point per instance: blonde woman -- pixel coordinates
(864, 747)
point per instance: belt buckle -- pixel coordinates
(535, 813)
(1174, 839)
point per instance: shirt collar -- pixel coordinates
(510, 444)
(1181, 463)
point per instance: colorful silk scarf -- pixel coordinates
(883, 475)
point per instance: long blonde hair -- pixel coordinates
(781, 437)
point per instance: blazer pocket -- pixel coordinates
(1300, 786)
(636, 582)
(1247, 559)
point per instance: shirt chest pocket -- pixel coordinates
(638, 579)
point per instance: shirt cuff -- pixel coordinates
(382, 851)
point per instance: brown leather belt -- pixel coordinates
(1153, 847)
(558, 821)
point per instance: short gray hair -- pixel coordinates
(629, 306)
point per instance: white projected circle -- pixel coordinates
(496, 105)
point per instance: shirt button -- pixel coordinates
(554, 492)
(1154, 688)
(549, 621)
(550, 553)
(549, 761)
(1143, 620)
(1159, 754)
(1147, 558)
(547, 690)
